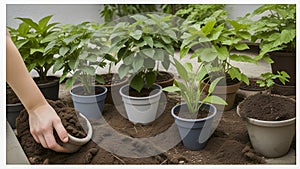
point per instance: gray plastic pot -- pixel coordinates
(194, 132)
(271, 138)
(74, 143)
(90, 106)
(141, 109)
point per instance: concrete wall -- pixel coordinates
(72, 13)
(66, 14)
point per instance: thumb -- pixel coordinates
(61, 131)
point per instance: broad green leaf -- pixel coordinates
(234, 73)
(171, 89)
(70, 82)
(33, 50)
(136, 34)
(166, 63)
(214, 100)
(189, 66)
(63, 50)
(100, 79)
(150, 78)
(43, 23)
(184, 51)
(208, 54)
(148, 40)
(137, 63)
(213, 84)
(208, 27)
(31, 23)
(171, 34)
(73, 63)
(245, 79)
(123, 71)
(166, 39)
(58, 65)
(137, 83)
(159, 55)
(88, 69)
(241, 46)
(149, 52)
(222, 52)
(181, 70)
(149, 63)
(21, 43)
(71, 38)
(83, 55)
(110, 58)
(242, 58)
(49, 38)
(139, 17)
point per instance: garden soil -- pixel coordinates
(229, 144)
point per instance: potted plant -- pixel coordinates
(213, 42)
(271, 119)
(142, 42)
(194, 117)
(81, 59)
(32, 40)
(276, 29)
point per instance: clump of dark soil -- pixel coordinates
(202, 113)
(268, 107)
(94, 91)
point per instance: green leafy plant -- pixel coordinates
(79, 56)
(186, 88)
(268, 78)
(198, 12)
(142, 42)
(213, 44)
(111, 11)
(276, 29)
(32, 40)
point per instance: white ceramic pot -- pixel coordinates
(271, 138)
(141, 109)
(74, 143)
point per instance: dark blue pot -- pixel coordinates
(194, 132)
(90, 106)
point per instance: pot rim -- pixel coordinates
(100, 94)
(194, 120)
(268, 123)
(140, 98)
(82, 141)
(169, 80)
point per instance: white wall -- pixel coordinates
(240, 10)
(66, 14)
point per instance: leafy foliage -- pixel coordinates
(276, 29)
(142, 42)
(111, 11)
(268, 78)
(198, 12)
(213, 43)
(80, 53)
(186, 87)
(32, 40)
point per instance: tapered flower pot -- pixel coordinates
(270, 138)
(90, 106)
(228, 93)
(194, 132)
(141, 109)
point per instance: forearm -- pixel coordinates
(20, 80)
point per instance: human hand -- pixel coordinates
(42, 121)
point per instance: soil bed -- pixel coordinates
(163, 76)
(228, 145)
(267, 107)
(111, 79)
(187, 115)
